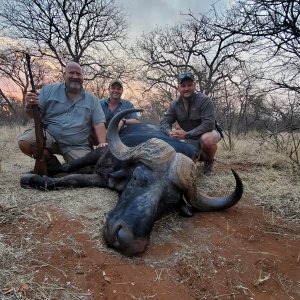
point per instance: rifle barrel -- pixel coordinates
(33, 89)
(40, 166)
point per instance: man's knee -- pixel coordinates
(22, 144)
(26, 147)
(209, 139)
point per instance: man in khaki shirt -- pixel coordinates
(195, 116)
(68, 113)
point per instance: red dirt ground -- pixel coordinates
(240, 256)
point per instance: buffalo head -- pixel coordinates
(160, 177)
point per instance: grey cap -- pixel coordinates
(114, 81)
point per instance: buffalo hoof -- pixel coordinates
(33, 181)
(25, 180)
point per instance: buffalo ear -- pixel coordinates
(119, 179)
(118, 184)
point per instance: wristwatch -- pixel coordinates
(124, 122)
(187, 136)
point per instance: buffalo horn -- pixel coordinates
(184, 177)
(154, 153)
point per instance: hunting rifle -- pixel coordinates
(40, 166)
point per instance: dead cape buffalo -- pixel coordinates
(150, 176)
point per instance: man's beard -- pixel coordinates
(189, 97)
(74, 86)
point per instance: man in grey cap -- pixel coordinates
(114, 104)
(195, 115)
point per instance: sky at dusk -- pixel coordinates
(145, 15)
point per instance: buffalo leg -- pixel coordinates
(73, 180)
(89, 159)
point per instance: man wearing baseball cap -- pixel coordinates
(114, 104)
(195, 115)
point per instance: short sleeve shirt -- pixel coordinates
(69, 122)
(123, 104)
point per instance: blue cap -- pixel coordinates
(185, 76)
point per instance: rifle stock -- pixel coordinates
(40, 166)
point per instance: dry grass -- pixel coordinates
(267, 176)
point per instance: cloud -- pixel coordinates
(145, 15)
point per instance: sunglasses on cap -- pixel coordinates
(183, 76)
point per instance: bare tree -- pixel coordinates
(195, 46)
(276, 20)
(85, 31)
(6, 106)
(236, 104)
(282, 126)
(12, 66)
(276, 25)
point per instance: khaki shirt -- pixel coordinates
(69, 122)
(198, 120)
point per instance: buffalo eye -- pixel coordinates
(139, 177)
(140, 180)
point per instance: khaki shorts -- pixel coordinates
(218, 135)
(29, 136)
